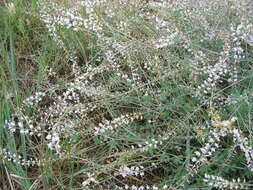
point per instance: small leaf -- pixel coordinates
(21, 27)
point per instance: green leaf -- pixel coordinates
(21, 28)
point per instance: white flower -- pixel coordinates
(11, 7)
(50, 145)
(197, 153)
(194, 159)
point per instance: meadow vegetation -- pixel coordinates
(126, 94)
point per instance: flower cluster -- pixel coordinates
(125, 171)
(54, 142)
(167, 31)
(221, 183)
(244, 145)
(226, 67)
(149, 145)
(86, 76)
(53, 15)
(17, 159)
(22, 124)
(122, 121)
(238, 35)
(90, 180)
(215, 74)
(211, 145)
(134, 187)
(11, 8)
(218, 130)
(35, 99)
(50, 119)
(221, 129)
(113, 49)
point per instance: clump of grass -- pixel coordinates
(126, 95)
